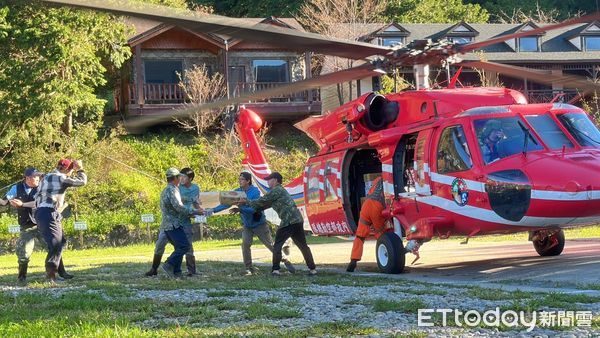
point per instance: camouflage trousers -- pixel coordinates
(25, 244)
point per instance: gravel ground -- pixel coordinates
(345, 303)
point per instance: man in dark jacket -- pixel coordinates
(21, 196)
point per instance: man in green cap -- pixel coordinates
(175, 215)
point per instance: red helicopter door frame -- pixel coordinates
(455, 173)
(323, 195)
(422, 164)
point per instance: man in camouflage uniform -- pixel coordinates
(21, 196)
(291, 221)
(175, 215)
(190, 197)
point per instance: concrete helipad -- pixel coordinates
(505, 263)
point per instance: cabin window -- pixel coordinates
(453, 151)
(582, 129)
(549, 131)
(312, 176)
(592, 43)
(331, 174)
(270, 71)
(392, 41)
(162, 71)
(503, 137)
(460, 40)
(528, 44)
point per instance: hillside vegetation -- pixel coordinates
(127, 175)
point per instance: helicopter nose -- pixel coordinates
(566, 186)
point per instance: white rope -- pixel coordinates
(132, 168)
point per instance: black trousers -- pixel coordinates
(296, 232)
(48, 220)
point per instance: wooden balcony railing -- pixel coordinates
(157, 93)
(547, 95)
(171, 93)
(303, 96)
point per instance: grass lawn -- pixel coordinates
(110, 297)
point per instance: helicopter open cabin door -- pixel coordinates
(323, 195)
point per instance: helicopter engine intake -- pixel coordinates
(379, 112)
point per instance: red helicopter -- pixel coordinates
(455, 161)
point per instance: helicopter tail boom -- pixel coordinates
(248, 123)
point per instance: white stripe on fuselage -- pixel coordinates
(565, 196)
(535, 194)
(490, 216)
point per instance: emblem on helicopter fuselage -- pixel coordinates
(460, 192)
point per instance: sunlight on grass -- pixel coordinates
(409, 305)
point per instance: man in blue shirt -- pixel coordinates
(190, 196)
(254, 223)
(21, 196)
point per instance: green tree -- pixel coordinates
(52, 60)
(435, 11)
(504, 10)
(252, 8)
(168, 3)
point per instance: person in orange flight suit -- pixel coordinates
(370, 220)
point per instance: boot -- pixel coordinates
(22, 273)
(190, 262)
(289, 266)
(169, 269)
(62, 272)
(51, 273)
(154, 269)
(351, 265)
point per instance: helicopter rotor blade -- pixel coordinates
(232, 27)
(477, 45)
(567, 80)
(346, 75)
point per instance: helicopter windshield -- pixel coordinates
(582, 129)
(502, 137)
(549, 131)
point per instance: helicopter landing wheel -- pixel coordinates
(390, 253)
(548, 242)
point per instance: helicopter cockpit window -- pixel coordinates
(312, 176)
(582, 129)
(453, 151)
(549, 131)
(503, 137)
